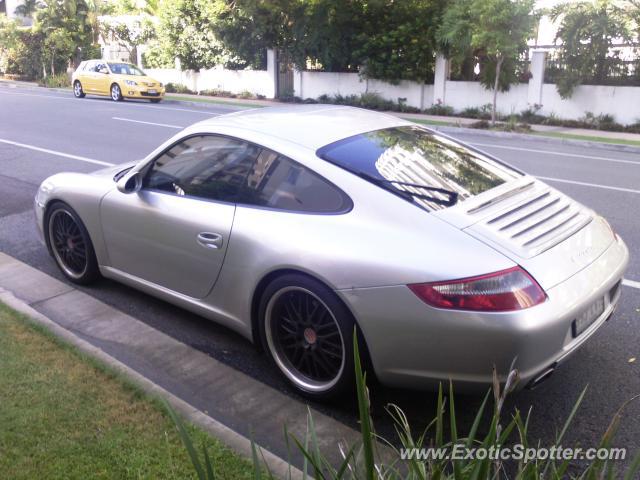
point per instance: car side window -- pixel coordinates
(100, 67)
(277, 182)
(203, 166)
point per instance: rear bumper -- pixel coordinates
(414, 345)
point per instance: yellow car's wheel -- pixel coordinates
(77, 89)
(155, 100)
(116, 93)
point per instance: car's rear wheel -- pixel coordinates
(308, 333)
(116, 93)
(70, 244)
(77, 90)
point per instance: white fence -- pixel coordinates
(259, 82)
(621, 102)
(235, 81)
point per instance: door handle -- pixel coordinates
(210, 240)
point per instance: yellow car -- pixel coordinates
(118, 80)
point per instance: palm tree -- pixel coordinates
(27, 8)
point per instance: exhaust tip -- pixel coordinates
(535, 382)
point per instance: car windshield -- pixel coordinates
(125, 69)
(428, 169)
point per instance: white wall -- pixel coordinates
(461, 95)
(621, 102)
(235, 81)
(314, 84)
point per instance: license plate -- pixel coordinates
(586, 318)
(153, 92)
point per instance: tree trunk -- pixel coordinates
(496, 84)
(53, 65)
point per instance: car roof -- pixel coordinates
(312, 126)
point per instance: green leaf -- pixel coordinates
(366, 428)
(207, 463)
(186, 440)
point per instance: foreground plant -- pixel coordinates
(374, 457)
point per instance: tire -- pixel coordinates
(156, 100)
(314, 348)
(116, 93)
(78, 92)
(70, 245)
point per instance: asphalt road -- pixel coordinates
(42, 133)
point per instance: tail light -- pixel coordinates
(506, 290)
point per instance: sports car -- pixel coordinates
(301, 227)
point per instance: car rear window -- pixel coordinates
(426, 168)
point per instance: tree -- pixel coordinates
(397, 40)
(58, 44)
(496, 29)
(67, 32)
(383, 39)
(587, 33)
(27, 8)
(247, 28)
(185, 31)
(20, 49)
(129, 32)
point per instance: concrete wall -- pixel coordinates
(259, 82)
(621, 102)
(461, 95)
(235, 81)
(314, 84)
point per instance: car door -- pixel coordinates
(87, 77)
(102, 78)
(174, 232)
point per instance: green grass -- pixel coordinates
(442, 123)
(205, 99)
(590, 138)
(64, 415)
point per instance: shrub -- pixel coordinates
(216, 92)
(177, 88)
(483, 112)
(440, 109)
(600, 122)
(374, 101)
(370, 100)
(363, 460)
(482, 124)
(531, 115)
(60, 80)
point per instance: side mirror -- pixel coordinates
(130, 183)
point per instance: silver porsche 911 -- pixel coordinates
(294, 225)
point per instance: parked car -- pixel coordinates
(119, 80)
(298, 226)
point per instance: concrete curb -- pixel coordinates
(232, 439)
